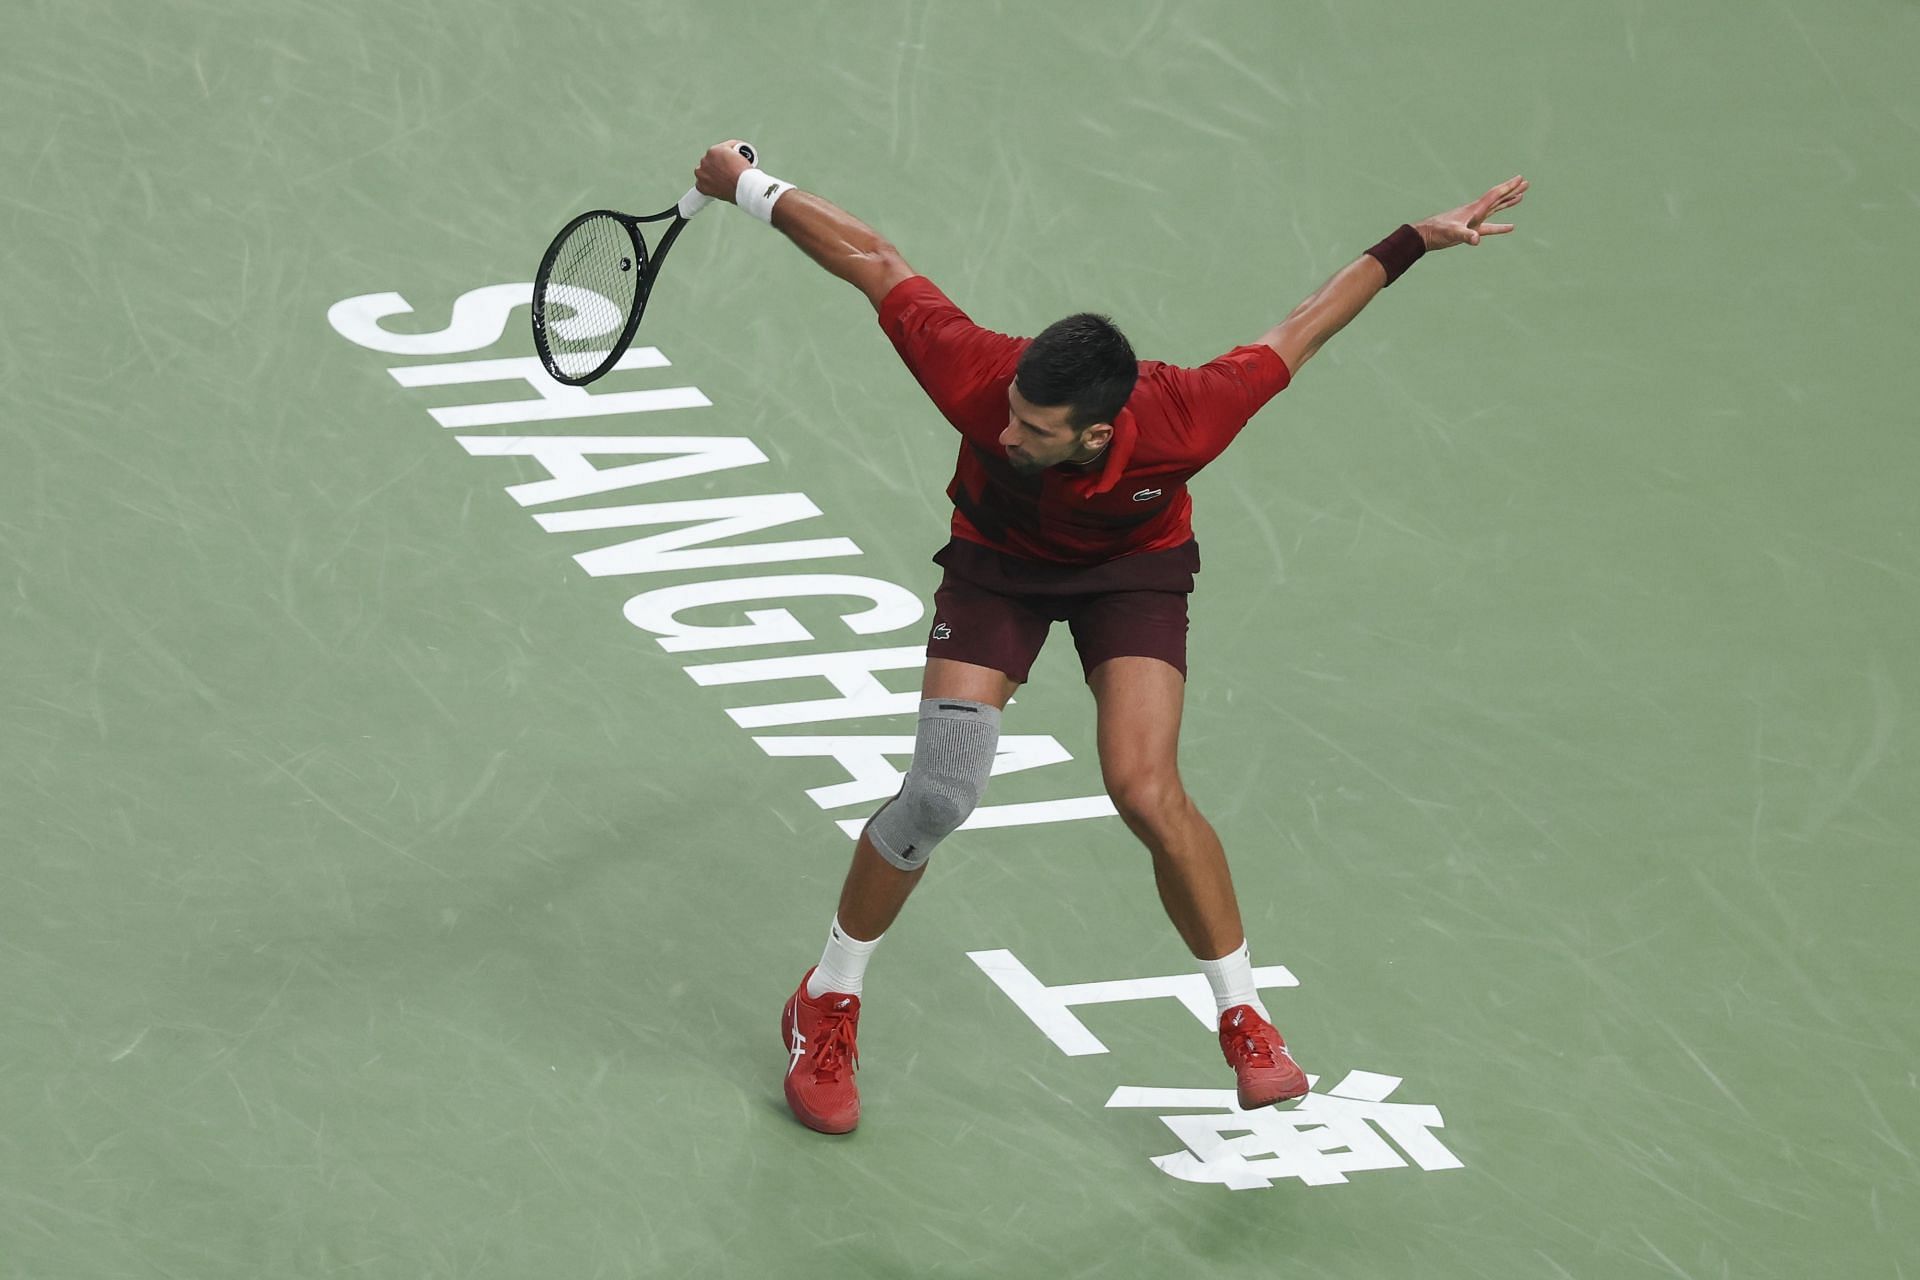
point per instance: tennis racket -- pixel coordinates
(593, 285)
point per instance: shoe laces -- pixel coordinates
(1256, 1050)
(1256, 1047)
(833, 1044)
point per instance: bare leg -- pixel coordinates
(1140, 702)
(875, 889)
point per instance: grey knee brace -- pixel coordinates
(952, 756)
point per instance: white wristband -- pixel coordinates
(757, 191)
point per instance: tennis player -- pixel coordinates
(1070, 505)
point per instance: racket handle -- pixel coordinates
(693, 202)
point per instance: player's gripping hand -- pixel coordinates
(718, 172)
(1468, 223)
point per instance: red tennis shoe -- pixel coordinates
(819, 1037)
(1263, 1069)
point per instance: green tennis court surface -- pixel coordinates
(380, 897)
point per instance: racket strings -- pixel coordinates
(588, 294)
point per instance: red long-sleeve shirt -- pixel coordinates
(1132, 499)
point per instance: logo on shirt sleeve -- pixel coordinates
(1146, 495)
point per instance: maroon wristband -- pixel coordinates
(1398, 251)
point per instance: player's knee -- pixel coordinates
(952, 758)
(930, 807)
(940, 804)
(1150, 799)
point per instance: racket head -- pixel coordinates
(588, 295)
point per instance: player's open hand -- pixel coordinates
(718, 172)
(1468, 223)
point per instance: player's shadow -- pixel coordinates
(558, 947)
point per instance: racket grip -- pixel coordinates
(693, 202)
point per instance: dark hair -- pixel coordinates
(1082, 362)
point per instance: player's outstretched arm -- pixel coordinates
(1309, 325)
(828, 234)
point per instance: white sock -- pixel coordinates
(1231, 977)
(843, 965)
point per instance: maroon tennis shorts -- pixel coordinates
(995, 610)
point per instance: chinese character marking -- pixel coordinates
(1051, 1008)
(1322, 1140)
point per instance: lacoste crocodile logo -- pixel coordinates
(1146, 495)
